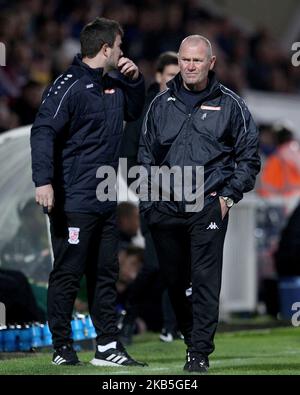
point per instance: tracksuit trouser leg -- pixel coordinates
(92, 249)
(190, 252)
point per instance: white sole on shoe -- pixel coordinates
(102, 362)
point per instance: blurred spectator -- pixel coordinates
(267, 140)
(28, 103)
(282, 252)
(131, 260)
(8, 119)
(41, 38)
(280, 176)
(279, 185)
(141, 289)
(146, 311)
(166, 69)
(19, 300)
(128, 223)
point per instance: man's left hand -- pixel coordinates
(224, 208)
(128, 68)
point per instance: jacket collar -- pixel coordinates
(95, 74)
(213, 87)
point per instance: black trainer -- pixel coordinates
(169, 336)
(196, 363)
(65, 355)
(114, 354)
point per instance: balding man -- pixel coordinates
(197, 121)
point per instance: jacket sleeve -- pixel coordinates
(133, 129)
(245, 137)
(134, 96)
(146, 158)
(51, 119)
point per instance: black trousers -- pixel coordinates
(190, 253)
(91, 249)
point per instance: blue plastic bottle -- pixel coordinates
(18, 329)
(2, 328)
(36, 332)
(77, 329)
(25, 338)
(47, 337)
(10, 339)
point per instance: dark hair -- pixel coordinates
(165, 59)
(284, 135)
(97, 33)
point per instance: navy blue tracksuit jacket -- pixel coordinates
(78, 128)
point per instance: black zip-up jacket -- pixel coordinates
(132, 131)
(78, 129)
(219, 134)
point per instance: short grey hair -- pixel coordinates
(195, 39)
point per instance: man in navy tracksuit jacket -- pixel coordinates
(197, 122)
(77, 130)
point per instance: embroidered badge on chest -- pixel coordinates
(109, 91)
(73, 235)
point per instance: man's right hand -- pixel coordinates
(44, 196)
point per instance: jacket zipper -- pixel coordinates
(189, 117)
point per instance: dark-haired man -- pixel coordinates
(77, 130)
(166, 69)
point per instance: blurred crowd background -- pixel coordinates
(41, 39)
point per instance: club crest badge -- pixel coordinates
(73, 235)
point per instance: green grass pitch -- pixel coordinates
(254, 352)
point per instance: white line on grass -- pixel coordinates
(148, 370)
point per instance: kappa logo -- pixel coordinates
(89, 86)
(204, 116)
(73, 235)
(212, 226)
(171, 99)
